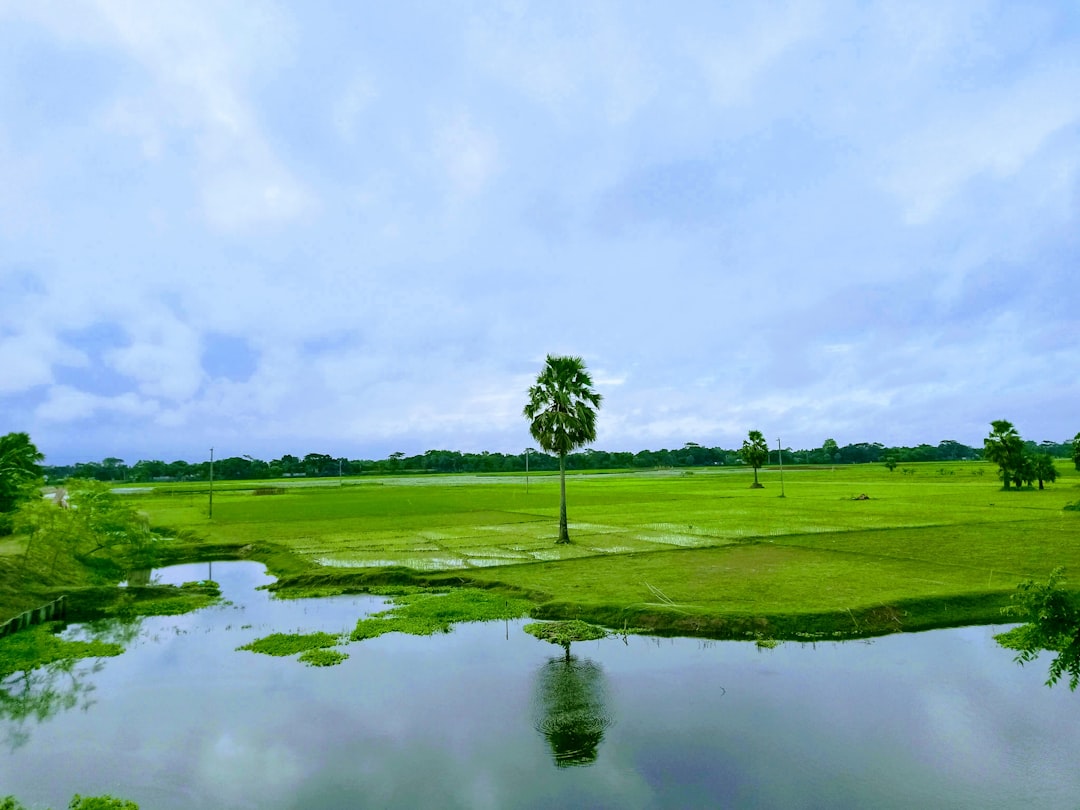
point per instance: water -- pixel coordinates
(489, 717)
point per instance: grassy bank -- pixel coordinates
(848, 550)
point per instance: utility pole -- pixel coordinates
(211, 483)
(780, 453)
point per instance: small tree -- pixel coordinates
(754, 452)
(1044, 469)
(1005, 448)
(1076, 450)
(562, 416)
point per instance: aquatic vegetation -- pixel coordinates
(425, 613)
(166, 600)
(322, 657)
(286, 644)
(564, 633)
(38, 646)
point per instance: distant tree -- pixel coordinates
(1043, 467)
(1005, 448)
(561, 411)
(1076, 451)
(20, 473)
(829, 450)
(890, 463)
(754, 452)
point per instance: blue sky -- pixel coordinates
(357, 228)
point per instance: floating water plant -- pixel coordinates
(285, 644)
(426, 613)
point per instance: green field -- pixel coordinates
(673, 551)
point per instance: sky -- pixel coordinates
(356, 228)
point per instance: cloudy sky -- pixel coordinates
(359, 227)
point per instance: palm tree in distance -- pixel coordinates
(1005, 448)
(562, 416)
(754, 452)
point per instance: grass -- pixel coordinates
(703, 553)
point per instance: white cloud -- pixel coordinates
(69, 405)
(468, 155)
(996, 131)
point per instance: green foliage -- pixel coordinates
(165, 600)
(322, 657)
(37, 646)
(84, 520)
(285, 644)
(105, 802)
(1053, 624)
(20, 475)
(564, 633)
(427, 613)
(562, 416)
(1042, 465)
(754, 452)
(78, 802)
(1076, 451)
(1005, 448)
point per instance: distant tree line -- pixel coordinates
(691, 454)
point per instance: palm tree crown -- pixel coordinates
(562, 406)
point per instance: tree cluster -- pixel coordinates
(1017, 464)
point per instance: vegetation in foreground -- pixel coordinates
(78, 802)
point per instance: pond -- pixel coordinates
(489, 717)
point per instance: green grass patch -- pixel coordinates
(425, 613)
(38, 646)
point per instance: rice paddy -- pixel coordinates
(701, 552)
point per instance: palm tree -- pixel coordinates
(562, 416)
(1044, 469)
(754, 452)
(19, 469)
(1005, 448)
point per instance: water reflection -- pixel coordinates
(33, 696)
(182, 720)
(30, 697)
(571, 709)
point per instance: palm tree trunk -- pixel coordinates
(564, 535)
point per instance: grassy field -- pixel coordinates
(676, 551)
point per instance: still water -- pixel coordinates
(489, 717)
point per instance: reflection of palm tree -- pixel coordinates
(570, 709)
